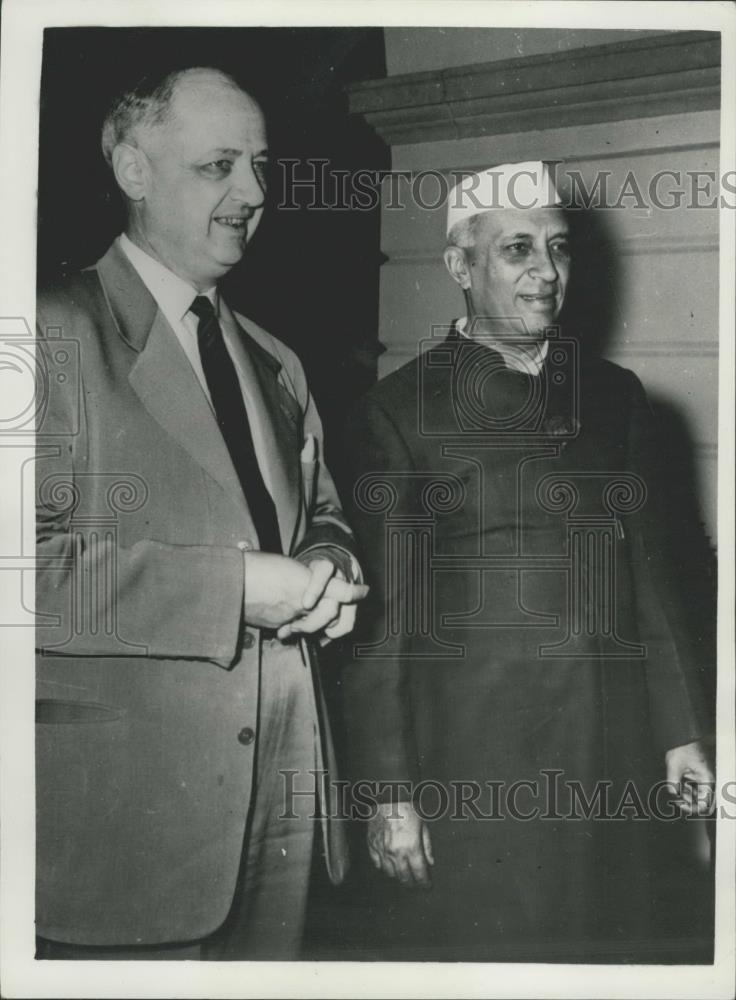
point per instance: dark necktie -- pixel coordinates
(232, 419)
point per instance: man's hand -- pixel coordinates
(691, 776)
(400, 845)
(329, 601)
(274, 589)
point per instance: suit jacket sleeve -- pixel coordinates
(326, 530)
(678, 664)
(169, 600)
(376, 691)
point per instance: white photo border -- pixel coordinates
(22, 976)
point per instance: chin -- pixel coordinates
(235, 254)
(536, 327)
(226, 265)
(530, 327)
(223, 264)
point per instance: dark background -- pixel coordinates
(310, 277)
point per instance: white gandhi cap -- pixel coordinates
(509, 185)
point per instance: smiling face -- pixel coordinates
(196, 182)
(516, 273)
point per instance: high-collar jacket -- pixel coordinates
(525, 618)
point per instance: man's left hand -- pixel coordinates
(330, 602)
(690, 774)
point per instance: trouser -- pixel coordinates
(266, 919)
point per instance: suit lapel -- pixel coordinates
(274, 425)
(162, 376)
(167, 386)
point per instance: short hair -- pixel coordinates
(464, 233)
(148, 104)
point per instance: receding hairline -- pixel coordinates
(211, 78)
(150, 104)
(201, 95)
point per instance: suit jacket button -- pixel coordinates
(248, 640)
(246, 736)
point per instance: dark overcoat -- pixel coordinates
(521, 653)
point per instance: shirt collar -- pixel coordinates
(527, 362)
(173, 295)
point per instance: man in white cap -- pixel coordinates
(508, 250)
(521, 675)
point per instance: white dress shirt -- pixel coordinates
(174, 297)
(527, 361)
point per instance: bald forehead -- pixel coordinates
(201, 89)
(206, 112)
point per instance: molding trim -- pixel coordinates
(640, 349)
(625, 153)
(677, 243)
(627, 246)
(666, 349)
(657, 75)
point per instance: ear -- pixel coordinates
(130, 171)
(457, 263)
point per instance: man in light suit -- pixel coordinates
(189, 541)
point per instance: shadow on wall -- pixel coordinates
(591, 312)
(691, 552)
(592, 316)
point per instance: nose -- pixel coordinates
(543, 266)
(247, 186)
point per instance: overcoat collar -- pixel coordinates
(483, 386)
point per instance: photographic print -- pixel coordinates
(367, 442)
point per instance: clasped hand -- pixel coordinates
(284, 594)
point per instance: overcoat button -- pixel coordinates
(248, 640)
(246, 736)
